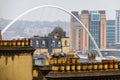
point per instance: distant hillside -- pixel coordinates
(30, 28)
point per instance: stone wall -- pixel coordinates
(16, 64)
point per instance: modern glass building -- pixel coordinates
(94, 28)
(110, 33)
(117, 26)
(95, 22)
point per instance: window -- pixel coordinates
(37, 43)
(95, 17)
(53, 43)
(39, 62)
(43, 43)
(31, 43)
(65, 42)
(59, 44)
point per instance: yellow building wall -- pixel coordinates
(43, 50)
(20, 68)
(47, 62)
(35, 73)
(65, 48)
(65, 39)
(57, 50)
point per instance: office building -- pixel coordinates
(117, 26)
(95, 22)
(110, 33)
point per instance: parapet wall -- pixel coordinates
(15, 42)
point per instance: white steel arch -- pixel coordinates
(59, 8)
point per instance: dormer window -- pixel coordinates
(59, 44)
(43, 43)
(53, 43)
(31, 43)
(37, 43)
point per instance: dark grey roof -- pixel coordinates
(38, 56)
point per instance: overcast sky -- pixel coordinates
(9, 9)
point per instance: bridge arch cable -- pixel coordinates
(60, 8)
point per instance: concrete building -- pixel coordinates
(73, 29)
(55, 42)
(95, 22)
(110, 33)
(84, 40)
(117, 26)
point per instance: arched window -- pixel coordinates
(65, 42)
